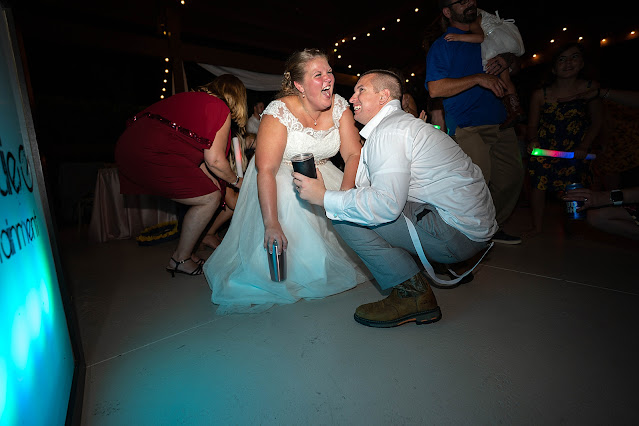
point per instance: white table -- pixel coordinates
(116, 216)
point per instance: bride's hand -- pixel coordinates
(274, 233)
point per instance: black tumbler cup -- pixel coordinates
(304, 164)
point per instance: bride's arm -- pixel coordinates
(350, 149)
(271, 141)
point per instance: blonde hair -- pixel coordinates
(244, 145)
(295, 68)
(232, 91)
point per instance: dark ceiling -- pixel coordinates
(92, 64)
(270, 31)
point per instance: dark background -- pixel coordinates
(92, 65)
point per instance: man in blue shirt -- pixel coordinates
(474, 110)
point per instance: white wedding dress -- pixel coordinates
(319, 263)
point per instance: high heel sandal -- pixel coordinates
(196, 271)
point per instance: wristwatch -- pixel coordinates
(616, 197)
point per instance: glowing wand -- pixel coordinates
(559, 154)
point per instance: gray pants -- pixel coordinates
(387, 250)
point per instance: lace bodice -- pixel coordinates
(324, 144)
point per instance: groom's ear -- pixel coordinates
(384, 96)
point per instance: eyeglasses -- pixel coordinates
(462, 2)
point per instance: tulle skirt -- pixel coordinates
(319, 263)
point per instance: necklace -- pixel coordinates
(309, 114)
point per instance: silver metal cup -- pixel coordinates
(277, 264)
(572, 206)
(304, 164)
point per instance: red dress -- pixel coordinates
(161, 150)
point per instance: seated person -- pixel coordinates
(610, 211)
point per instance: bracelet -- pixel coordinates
(236, 182)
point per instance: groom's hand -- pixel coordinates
(311, 190)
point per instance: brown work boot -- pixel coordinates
(513, 109)
(412, 300)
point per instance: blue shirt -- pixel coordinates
(455, 59)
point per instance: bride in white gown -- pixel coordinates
(305, 117)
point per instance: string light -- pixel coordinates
(167, 60)
(535, 57)
(368, 34)
(604, 42)
(165, 80)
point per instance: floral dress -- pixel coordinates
(562, 126)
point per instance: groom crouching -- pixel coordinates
(416, 194)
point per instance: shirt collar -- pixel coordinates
(386, 110)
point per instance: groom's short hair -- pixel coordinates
(386, 79)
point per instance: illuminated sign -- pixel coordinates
(37, 363)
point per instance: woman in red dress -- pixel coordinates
(177, 148)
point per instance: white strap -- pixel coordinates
(427, 265)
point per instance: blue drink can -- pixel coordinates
(572, 206)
